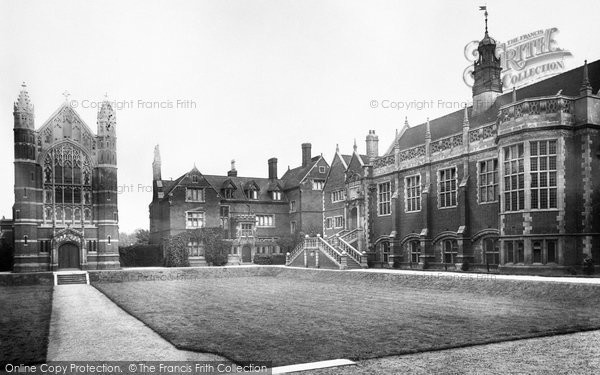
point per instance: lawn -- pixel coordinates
(24, 323)
(289, 320)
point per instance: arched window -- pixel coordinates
(384, 249)
(414, 249)
(449, 251)
(67, 185)
(108, 238)
(491, 250)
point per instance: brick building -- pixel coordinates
(511, 182)
(65, 212)
(255, 212)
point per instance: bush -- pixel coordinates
(588, 265)
(465, 266)
(6, 255)
(263, 259)
(215, 248)
(278, 259)
(176, 252)
(140, 256)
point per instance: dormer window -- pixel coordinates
(252, 194)
(251, 190)
(194, 195)
(228, 193)
(276, 195)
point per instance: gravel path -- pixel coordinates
(87, 326)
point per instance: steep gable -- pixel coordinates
(337, 172)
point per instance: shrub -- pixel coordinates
(465, 266)
(6, 255)
(278, 259)
(176, 252)
(262, 259)
(588, 265)
(215, 248)
(140, 256)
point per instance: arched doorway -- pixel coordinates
(246, 254)
(68, 256)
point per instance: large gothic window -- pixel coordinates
(67, 186)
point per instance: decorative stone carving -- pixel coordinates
(484, 132)
(412, 153)
(384, 161)
(536, 107)
(446, 143)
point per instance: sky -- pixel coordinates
(212, 81)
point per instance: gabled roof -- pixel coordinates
(251, 184)
(67, 108)
(567, 83)
(240, 184)
(293, 177)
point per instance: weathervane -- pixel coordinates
(66, 95)
(484, 8)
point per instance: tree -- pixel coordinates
(289, 242)
(126, 239)
(142, 236)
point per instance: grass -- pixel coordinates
(24, 323)
(289, 320)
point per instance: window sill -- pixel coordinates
(446, 208)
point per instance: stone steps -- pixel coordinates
(69, 278)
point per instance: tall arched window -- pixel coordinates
(67, 186)
(414, 249)
(384, 249)
(449, 251)
(491, 250)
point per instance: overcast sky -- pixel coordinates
(258, 77)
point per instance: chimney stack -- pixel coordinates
(273, 169)
(372, 145)
(306, 154)
(233, 171)
(156, 165)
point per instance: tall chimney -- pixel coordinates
(372, 145)
(306, 154)
(156, 165)
(273, 169)
(233, 171)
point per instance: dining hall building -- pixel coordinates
(511, 182)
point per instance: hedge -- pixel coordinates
(140, 256)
